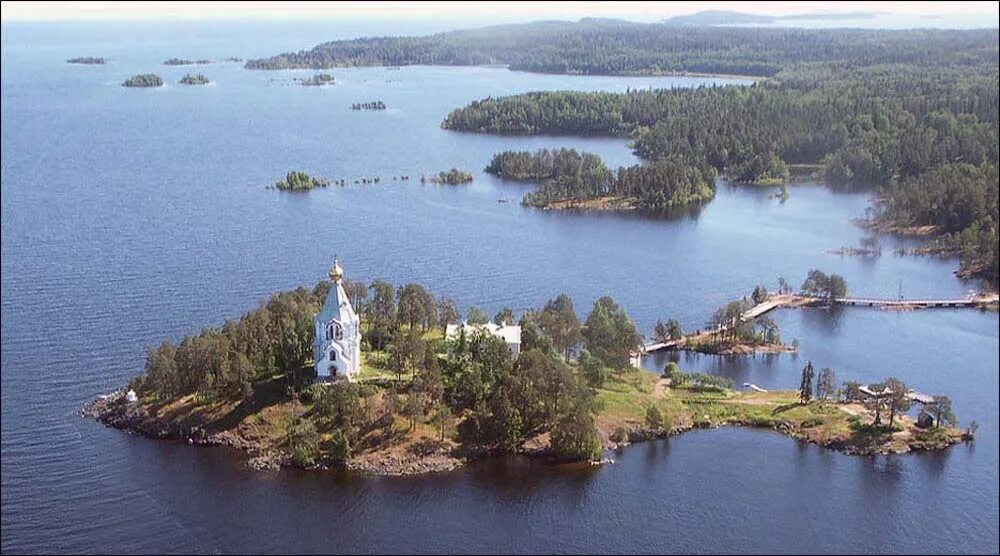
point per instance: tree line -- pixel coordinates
(891, 397)
(614, 47)
(921, 129)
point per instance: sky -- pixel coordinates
(955, 14)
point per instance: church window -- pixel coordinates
(333, 356)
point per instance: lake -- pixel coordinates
(130, 216)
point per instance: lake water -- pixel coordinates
(130, 216)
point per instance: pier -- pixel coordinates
(776, 301)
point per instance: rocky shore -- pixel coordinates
(116, 412)
(898, 442)
(837, 426)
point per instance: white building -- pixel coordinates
(509, 333)
(337, 350)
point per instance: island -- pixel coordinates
(572, 180)
(397, 387)
(742, 327)
(856, 108)
(198, 79)
(371, 105)
(143, 80)
(87, 60)
(318, 80)
(300, 181)
(451, 177)
(183, 62)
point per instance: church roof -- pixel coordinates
(331, 307)
(337, 305)
(510, 333)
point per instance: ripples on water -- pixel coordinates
(133, 216)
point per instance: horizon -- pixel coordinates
(897, 15)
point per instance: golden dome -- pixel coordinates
(336, 273)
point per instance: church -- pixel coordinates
(337, 349)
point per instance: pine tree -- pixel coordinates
(806, 386)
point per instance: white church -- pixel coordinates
(337, 351)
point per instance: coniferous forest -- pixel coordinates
(910, 114)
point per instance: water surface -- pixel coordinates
(131, 216)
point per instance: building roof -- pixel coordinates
(337, 305)
(918, 397)
(510, 333)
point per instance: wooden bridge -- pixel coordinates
(771, 303)
(797, 300)
(972, 301)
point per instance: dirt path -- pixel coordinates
(660, 388)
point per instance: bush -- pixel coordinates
(303, 443)
(574, 438)
(340, 446)
(672, 372)
(425, 447)
(654, 419)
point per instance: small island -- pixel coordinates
(318, 80)
(198, 79)
(144, 80)
(451, 177)
(87, 60)
(573, 180)
(183, 62)
(300, 181)
(404, 390)
(371, 105)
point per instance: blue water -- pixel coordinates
(130, 216)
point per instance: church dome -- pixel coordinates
(336, 273)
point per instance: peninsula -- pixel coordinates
(403, 390)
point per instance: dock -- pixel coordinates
(776, 301)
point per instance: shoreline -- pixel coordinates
(754, 78)
(710, 411)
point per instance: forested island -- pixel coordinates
(370, 105)
(198, 79)
(300, 181)
(318, 80)
(451, 177)
(144, 80)
(183, 62)
(87, 60)
(911, 114)
(423, 403)
(569, 179)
